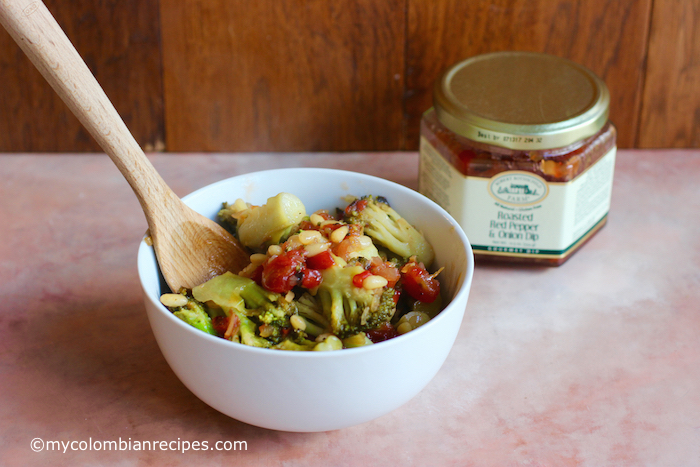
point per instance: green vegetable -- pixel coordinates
(254, 305)
(289, 344)
(268, 224)
(224, 291)
(248, 336)
(227, 217)
(388, 229)
(193, 314)
(351, 309)
(311, 313)
(311, 328)
(341, 309)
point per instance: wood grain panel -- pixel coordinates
(607, 36)
(671, 111)
(293, 75)
(283, 75)
(120, 42)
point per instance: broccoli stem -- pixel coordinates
(311, 328)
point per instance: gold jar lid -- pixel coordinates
(521, 100)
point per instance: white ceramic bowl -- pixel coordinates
(315, 391)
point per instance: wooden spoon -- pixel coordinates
(189, 247)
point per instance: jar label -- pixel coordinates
(518, 188)
(517, 213)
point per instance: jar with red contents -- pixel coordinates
(519, 149)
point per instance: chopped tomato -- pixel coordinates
(257, 274)
(328, 229)
(311, 278)
(356, 206)
(321, 261)
(346, 247)
(220, 324)
(384, 332)
(355, 229)
(397, 294)
(350, 245)
(307, 225)
(234, 323)
(283, 272)
(419, 284)
(386, 269)
(358, 279)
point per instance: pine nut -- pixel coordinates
(173, 300)
(297, 323)
(274, 250)
(248, 270)
(258, 258)
(309, 236)
(339, 234)
(316, 248)
(323, 337)
(374, 282)
(293, 242)
(315, 219)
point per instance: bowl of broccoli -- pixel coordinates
(355, 294)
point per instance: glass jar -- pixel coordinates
(519, 149)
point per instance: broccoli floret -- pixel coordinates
(231, 291)
(258, 308)
(248, 336)
(193, 314)
(383, 313)
(388, 229)
(296, 342)
(351, 309)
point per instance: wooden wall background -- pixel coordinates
(343, 75)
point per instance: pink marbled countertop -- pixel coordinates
(595, 363)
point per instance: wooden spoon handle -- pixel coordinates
(41, 38)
